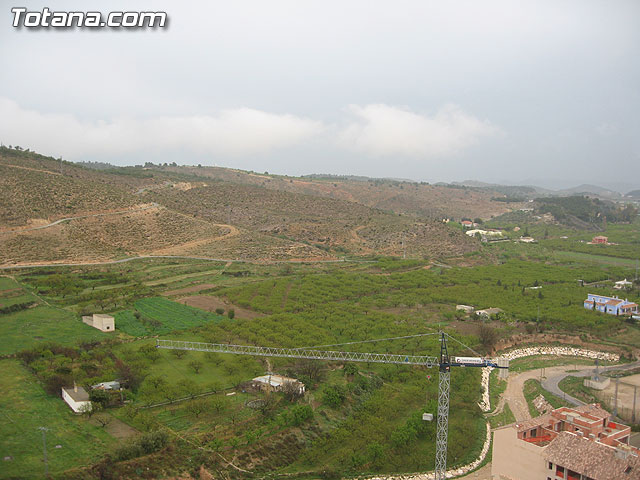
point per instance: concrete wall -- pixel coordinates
(513, 458)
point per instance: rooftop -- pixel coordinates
(78, 394)
(593, 459)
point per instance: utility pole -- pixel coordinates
(633, 412)
(404, 250)
(615, 400)
(44, 450)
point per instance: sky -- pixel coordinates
(540, 92)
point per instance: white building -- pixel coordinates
(77, 398)
(101, 321)
(465, 308)
(277, 382)
(113, 385)
(623, 284)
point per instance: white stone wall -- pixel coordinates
(567, 351)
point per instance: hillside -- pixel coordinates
(405, 197)
(52, 211)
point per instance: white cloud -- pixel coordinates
(386, 130)
(369, 130)
(242, 131)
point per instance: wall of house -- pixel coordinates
(77, 407)
(506, 447)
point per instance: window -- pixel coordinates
(550, 465)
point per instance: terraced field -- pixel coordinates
(159, 316)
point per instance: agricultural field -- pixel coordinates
(43, 324)
(202, 407)
(71, 440)
(159, 316)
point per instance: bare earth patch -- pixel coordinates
(210, 303)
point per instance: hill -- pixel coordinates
(404, 197)
(55, 211)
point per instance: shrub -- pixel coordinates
(219, 311)
(334, 395)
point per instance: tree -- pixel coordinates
(104, 419)
(334, 395)
(100, 397)
(231, 313)
(196, 366)
(291, 391)
(488, 337)
(150, 352)
(179, 353)
(197, 406)
(189, 387)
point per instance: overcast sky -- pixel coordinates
(544, 92)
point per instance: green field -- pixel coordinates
(12, 293)
(42, 324)
(24, 407)
(159, 316)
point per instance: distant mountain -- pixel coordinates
(590, 189)
(634, 194)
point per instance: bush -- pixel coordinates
(143, 445)
(219, 311)
(334, 395)
(231, 313)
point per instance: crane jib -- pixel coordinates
(403, 359)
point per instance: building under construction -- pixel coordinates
(579, 443)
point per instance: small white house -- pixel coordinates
(277, 382)
(101, 321)
(487, 312)
(77, 398)
(465, 308)
(623, 284)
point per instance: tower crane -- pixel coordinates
(444, 363)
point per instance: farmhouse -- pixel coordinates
(77, 398)
(467, 223)
(102, 322)
(527, 239)
(600, 240)
(567, 443)
(484, 233)
(465, 308)
(610, 305)
(277, 383)
(113, 385)
(623, 284)
(487, 312)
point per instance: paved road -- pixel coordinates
(551, 383)
(514, 395)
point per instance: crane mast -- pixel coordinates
(444, 364)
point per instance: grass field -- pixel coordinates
(159, 316)
(594, 258)
(24, 407)
(42, 324)
(12, 293)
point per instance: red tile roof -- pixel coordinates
(593, 459)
